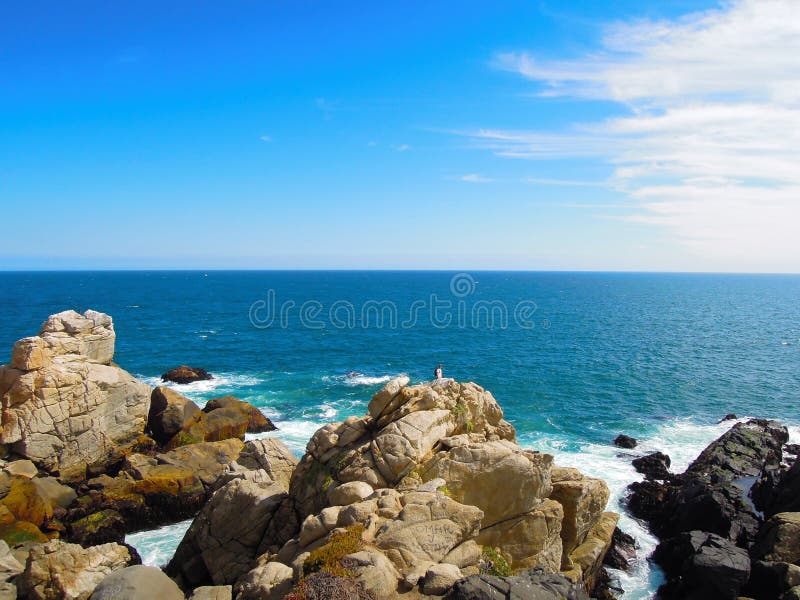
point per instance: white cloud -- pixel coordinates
(711, 146)
(475, 178)
(402, 147)
(265, 138)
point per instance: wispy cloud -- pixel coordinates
(711, 145)
(265, 138)
(564, 182)
(475, 178)
(402, 147)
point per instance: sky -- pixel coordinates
(582, 135)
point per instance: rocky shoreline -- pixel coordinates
(428, 495)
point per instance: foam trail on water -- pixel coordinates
(225, 382)
(294, 433)
(156, 546)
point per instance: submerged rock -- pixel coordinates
(185, 374)
(653, 466)
(625, 441)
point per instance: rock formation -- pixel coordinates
(65, 406)
(184, 374)
(426, 489)
(714, 541)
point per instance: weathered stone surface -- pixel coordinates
(80, 410)
(221, 543)
(262, 460)
(381, 452)
(779, 539)
(213, 592)
(270, 581)
(185, 374)
(9, 565)
(498, 477)
(34, 500)
(207, 460)
(380, 400)
(137, 583)
(89, 335)
(221, 419)
(169, 413)
(584, 499)
(529, 540)
(533, 584)
(256, 421)
(21, 468)
(57, 570)
(100, 527)
(29, 354)
(349, 493)
(376, 574)
(588, 556)
(428, 527)
(439, 579)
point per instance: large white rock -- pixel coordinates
(60, 570)
(64, 405)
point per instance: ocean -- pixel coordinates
(574, 359)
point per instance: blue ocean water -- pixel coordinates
(573, 358)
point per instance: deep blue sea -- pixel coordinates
(573, 358)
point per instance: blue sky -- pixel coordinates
(633, 135)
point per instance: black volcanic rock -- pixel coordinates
(728, 417)
(185, 374)
(625, 441)
(699, 565)
(533, 584)
(622, 553)
(653, 466)
(745, 450)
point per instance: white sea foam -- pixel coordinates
(357, 379)
(294, 433)
(195, 389)
(157, 546)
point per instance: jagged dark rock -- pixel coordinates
(701, 565)
(186, 374)
(653, 466)
(533, 584)
(622, 553)
(625, 441)
(728, 417)
(778, 490)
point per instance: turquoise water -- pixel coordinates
(581, 358)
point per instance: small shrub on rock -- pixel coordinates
(329, 557)
(493, 563)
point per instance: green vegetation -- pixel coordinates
(459, 410)
(329, 557)
(496, 564)
(445, 490)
